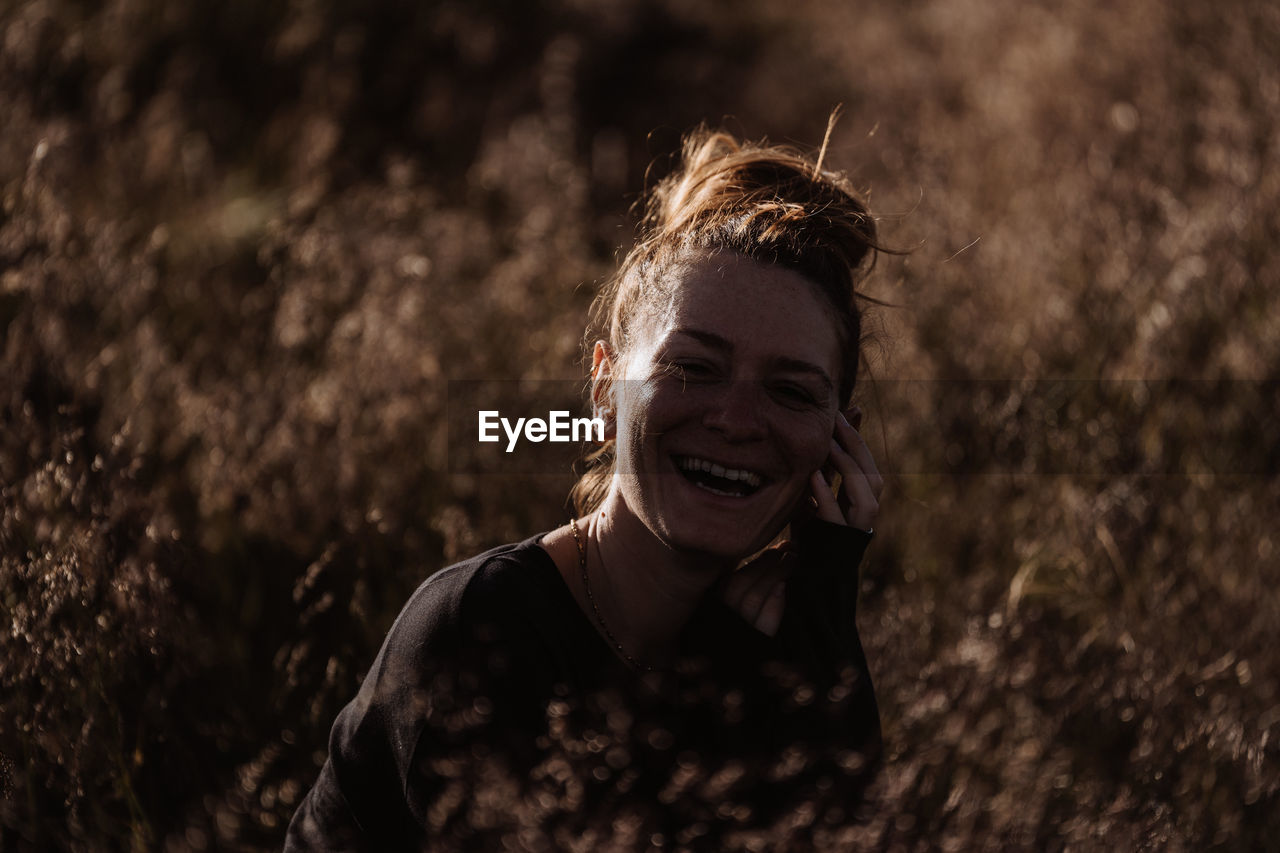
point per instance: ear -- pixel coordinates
(602, 391)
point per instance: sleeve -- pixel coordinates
(819, 632)
(809, 682)
(363, 798)
(819, 622)
(450, 705)
(327, 821)
(819, 629)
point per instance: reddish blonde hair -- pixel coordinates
(770, 203)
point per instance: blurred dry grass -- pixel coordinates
(244, 246)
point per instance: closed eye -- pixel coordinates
(795, 395)
(693, 371)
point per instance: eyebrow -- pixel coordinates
(715, 341)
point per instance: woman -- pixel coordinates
(626, 679)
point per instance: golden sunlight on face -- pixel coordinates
(727, 405)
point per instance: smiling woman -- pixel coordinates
(736, 373)
(679, 664)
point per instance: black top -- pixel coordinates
(496, 717)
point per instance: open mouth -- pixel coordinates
(717, 479)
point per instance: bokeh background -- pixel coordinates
(244, 247)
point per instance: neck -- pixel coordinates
(646, 590)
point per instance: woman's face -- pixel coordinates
(726, 406)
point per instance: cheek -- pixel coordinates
(810, 444)
(639, 413)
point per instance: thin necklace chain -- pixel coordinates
(586, 583)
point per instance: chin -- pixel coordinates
(731, 545)
(700, 516)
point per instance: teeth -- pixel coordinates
(691, 463)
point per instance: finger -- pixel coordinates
(760, 592)
(757, 573)
(770, 617)
(858, 498)
(851, 441)
(736, 587)
(805, 508)
(854, 417)
(828, 509)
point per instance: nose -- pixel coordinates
(737, 411)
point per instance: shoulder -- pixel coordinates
(458, 601)
(507, 573)
(420, 696)
(455, 627)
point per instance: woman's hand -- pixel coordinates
(757, 591)
(860, 481)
